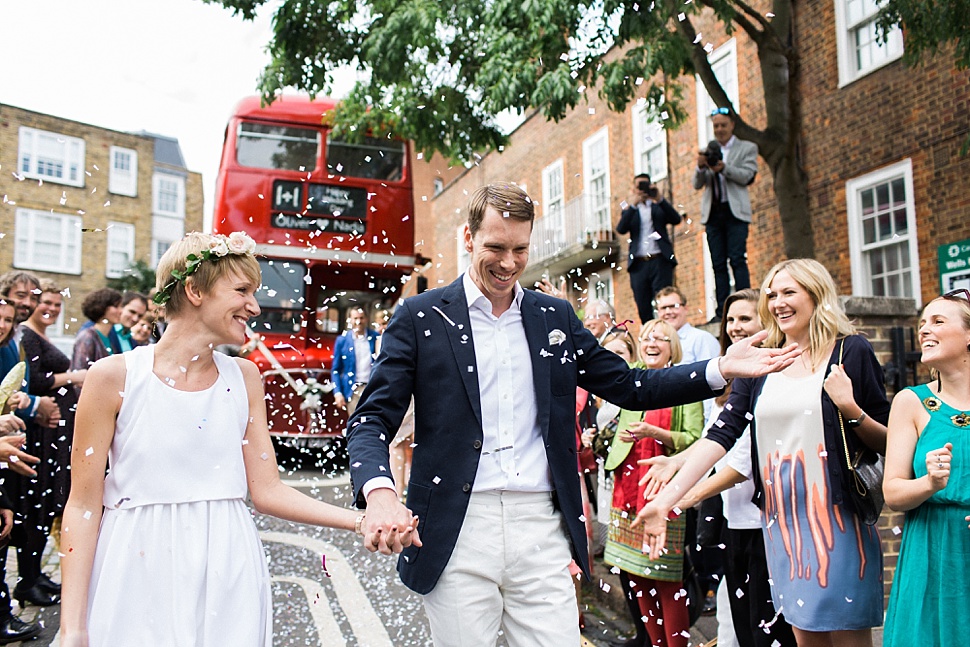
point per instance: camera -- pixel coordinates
(713, 153)
(644, 186)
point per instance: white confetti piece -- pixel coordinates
(89, 451)
(87, 514)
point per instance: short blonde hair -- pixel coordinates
(207, 272)
(828, 322)
(676, 350)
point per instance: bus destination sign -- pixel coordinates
(330, 200)
(352, 226)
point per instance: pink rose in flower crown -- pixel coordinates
(218, 246)
(240, 243)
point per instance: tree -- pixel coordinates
(139, 277)
(438, 71)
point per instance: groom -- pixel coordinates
(493, 370)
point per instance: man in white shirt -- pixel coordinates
(493, 370)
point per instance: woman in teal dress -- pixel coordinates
(928, 476)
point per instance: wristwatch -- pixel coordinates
(857, 421)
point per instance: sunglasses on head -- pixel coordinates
(621, 327)
(959, 293)
(720, 111)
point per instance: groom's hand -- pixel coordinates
(746, 359)
(389, 526)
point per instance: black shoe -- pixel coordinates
(13, 629)
(48, 584)
(35, 595)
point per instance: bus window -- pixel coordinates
(333, 308)
(277, 147)
(372, 158)
(280, 297)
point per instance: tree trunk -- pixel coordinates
(791, 190)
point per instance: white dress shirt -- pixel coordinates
(362, 359)
(647, 245)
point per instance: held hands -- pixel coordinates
(938, 467)
(745, 359)
(389, 526)
(18, 400)
(839, 387)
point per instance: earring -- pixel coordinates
(939, 383)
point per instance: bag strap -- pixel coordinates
(860, 488)
(845, 444)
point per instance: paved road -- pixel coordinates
(358, 601)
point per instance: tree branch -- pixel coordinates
(755, 34)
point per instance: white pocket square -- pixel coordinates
(556, 337)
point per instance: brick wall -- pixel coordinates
(92, 201)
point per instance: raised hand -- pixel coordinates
(745, 358)
(662, 469)
(938, 466)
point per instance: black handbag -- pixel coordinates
(695, 593)
(866, 471)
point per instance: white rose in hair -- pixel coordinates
(240, 243)
(218, 246)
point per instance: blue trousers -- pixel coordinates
(727, 238)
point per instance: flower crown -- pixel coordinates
(238, 242)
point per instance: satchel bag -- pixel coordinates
(866, 471)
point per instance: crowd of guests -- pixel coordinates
(798, 562)
(39, 414)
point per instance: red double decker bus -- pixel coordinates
(333, 223)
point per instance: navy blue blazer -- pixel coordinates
(343, 371)
(428, 351)
(663, 214)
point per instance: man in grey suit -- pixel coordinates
(726, 207)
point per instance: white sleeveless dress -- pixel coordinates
(179, 562)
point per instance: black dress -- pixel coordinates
(44, 497)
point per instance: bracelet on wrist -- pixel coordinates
(359, 524)
(857, 421)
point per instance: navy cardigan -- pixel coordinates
(868, 388)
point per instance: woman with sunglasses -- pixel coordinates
(928, 476)
(825, 563)
(656, 583)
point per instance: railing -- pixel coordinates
(566, 232)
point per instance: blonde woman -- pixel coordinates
(825, 564)
(164, 550)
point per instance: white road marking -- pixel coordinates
(327, 628)
(364, 621)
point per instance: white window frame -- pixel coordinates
(67, 234)
(548, 199)
(861, 281)
(156, 255)
(71, 157)
(727, 56)
(121, 239)
(846, 48)
(597, 207)
(644, 129)
(464, 257)
(159, 209)
(123, 181)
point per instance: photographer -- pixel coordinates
(645, 217)
(724, 170)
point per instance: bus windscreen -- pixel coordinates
(370, 158)
(280, 298)
(277, 147)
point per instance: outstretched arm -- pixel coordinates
(746, 359)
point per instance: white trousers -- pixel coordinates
(509, 571)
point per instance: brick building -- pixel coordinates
(880, 145)
(81, 203)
